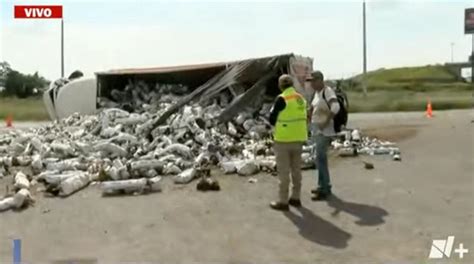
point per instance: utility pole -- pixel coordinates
(364, 36)
(62, 48)
(452, 52)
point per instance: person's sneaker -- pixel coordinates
(320, 196)
(295, 202)
(279, 206)
(318, 190)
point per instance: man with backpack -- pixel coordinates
(329, 115)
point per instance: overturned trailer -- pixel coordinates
(238, 85)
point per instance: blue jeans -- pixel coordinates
(322, 145)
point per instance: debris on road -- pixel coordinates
(185, 176)
(347, 152)
(252, 180)
(247, 167)
(368, 165)
(73, 184)
(21, 181)
(208, 184)
(142, 185)
(19, 200)
(69, 154)
(351, 143)
(127, 186)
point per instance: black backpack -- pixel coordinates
(340, 119)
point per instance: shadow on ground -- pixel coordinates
(76, 261)
(318, 230)
(368, 215)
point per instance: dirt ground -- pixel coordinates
(389, 214)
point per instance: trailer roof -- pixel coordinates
(181, 68)
(166, 69)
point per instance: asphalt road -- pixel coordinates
(389, 214)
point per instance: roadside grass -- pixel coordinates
(442, 96)
(416, 87)
(398, 100)
(30, 109)
(409, 89)
(428, 74)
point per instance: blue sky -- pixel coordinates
(101, 35)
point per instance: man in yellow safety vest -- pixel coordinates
(288, 116)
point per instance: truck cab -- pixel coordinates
(64, 97)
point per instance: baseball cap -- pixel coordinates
(316, 75)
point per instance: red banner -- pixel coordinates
(38, 11)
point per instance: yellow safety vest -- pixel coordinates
(291, 125)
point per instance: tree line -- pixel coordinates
(15, 83)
